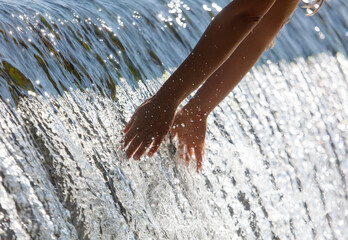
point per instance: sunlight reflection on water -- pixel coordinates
(276, 157)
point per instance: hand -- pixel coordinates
(148, 126)
(190, 128)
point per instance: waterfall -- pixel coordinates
(73, 72)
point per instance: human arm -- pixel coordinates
(219, 40)
(219, 85)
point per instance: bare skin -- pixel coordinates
(228, 49)
(190, 128)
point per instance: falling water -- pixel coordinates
(72, 73)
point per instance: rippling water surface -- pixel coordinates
(72, 73)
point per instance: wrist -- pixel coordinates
(164, 101)
(195, 109)
(167, 96)
(199, 106)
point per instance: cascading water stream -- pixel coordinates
(71, 75)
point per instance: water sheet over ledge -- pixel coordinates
(276, 157)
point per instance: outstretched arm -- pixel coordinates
(152, 120)
(218, 86)
(228, 29)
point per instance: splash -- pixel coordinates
(71, 75)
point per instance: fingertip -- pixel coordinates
(187, 158)
(173, 133)
(134, 145)
(199, 157)
(142, 149)
(150, 154)
(199, 160)
(153, 150)
(155, 146)
(190, 151)
(199, 169)
(128, 156)
(129, 152)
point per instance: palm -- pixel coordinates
(148, 126)
(190, 129)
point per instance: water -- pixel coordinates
(71, 75)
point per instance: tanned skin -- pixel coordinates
(227, 50)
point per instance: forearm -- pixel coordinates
(219, 85)
(217, 43)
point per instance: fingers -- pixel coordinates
(174, 130)
(129, 136)
(143, 147)
(199, 152)
(184, 152)
(199, 160)
(187, 158)
(133, 146)
(190, 150)
(129, 124)
(155, 145)
(138, 146)
(181, 149)
(173, 133)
